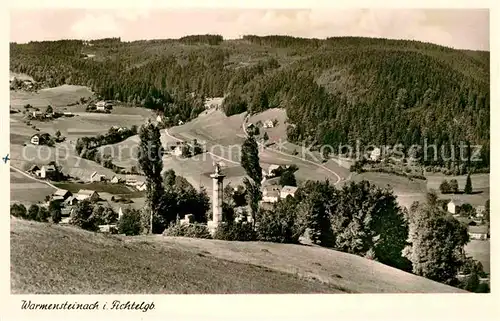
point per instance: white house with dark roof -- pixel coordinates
(115, 179)
(454, 206)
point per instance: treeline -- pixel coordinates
(205, 39)
(335, 91)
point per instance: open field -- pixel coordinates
(480, 250)
(100, 187)
(26, 190)
(42, 264)
(56, 97)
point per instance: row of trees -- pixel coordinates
(37, 213)
(451, 187)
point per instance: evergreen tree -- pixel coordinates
(250, 162)
(288, 178)
(468, 185)
(55, 212)
(151, 164)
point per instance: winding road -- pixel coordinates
(321, 166)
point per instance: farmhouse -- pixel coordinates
(46, 171)
(85, 194)
(288, 191)
(478, 232)
(61, 194)
(103, 105)
(94, 177)
(270, 194)
(115, 179)
(454, 206)
(70, 201)
(375, 154)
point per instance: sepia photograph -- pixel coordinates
(249, 151)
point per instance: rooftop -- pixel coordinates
(479, 229)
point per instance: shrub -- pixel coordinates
(445, 187)
(18, 210)
(280, 225)
(130, 222)
(195, 230)
(235, 231)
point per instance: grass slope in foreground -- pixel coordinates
(51, 259)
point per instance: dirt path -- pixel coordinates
(339, 179)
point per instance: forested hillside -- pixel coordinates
(335, 91)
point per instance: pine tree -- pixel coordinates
(250, 162)
(468, 185)
(151, 164)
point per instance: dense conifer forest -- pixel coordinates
(335, 91)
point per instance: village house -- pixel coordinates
(269, 173)
(478, 232)
(94, 177)
(375, 154)
(268, 124)
(35, 139)
(115, 180)
(188, 219)
(131, 182)
(288, 191)
(68, 114)
(107, 228)
(103, 105)
(159, 118)
(37, 114)
(70, 201)
(46, 171)
(454, 206)
(61, 194)
(181, 122)
(85, 194)
(177, 151)
(270, 194)
(480, 210)
(34, 169)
